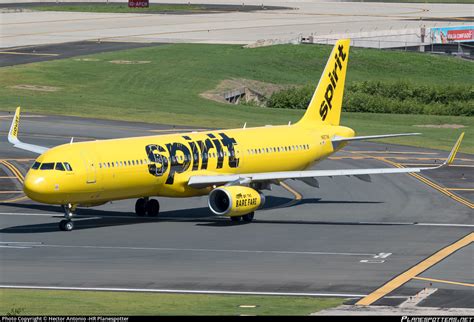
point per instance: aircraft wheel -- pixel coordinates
(152, 208)
(235, 218)
(248, 217)
(66, 225)
(140, 207)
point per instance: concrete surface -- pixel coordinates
(320, 18)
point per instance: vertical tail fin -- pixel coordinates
(326, 103)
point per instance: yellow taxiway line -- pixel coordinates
(431, 184)
(19, 160)
(443, 190)
(13, 169)
(434, 165)
(442, 281)
(297, 196)
(416, 270)
(395, 152)
(295, 193)
(18, 175)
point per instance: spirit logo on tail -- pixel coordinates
(326, 104)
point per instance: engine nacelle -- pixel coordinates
(235, 201)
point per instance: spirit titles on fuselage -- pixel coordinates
(195, 155)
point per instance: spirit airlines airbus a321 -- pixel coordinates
(231, 166)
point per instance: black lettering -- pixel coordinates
(341, 53)
(328, 95)
(323, 111)
(338, 62)
(195, 153)
(220, 152)
(176, 165)
(159, 162)
(332, 80)
(334, 74)
(205, 146)
(229, 144)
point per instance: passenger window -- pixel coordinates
(67, 166)
(35, 165)
(47, 166)
(60, 167)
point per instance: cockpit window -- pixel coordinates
(47, 166)
(35, 166)
(59, 166)
(67, 166)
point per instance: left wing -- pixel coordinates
(206, 181)
(13, 136)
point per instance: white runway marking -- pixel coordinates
(117, 289)
(165, 249)
(19, 245)
(373, 261)
(382, 255)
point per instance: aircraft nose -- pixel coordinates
(35, 187)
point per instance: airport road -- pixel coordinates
(348, 238)
(320, 18)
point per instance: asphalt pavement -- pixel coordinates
(345, 239)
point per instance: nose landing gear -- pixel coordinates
(147, 207)
(67, 224)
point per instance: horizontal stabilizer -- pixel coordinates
(337, 140)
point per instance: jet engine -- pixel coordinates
(235, 200)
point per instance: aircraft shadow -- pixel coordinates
(284, 202)
(89, 218)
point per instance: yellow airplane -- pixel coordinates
(231, 166)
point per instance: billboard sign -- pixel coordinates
(452, 34)
(138, 3)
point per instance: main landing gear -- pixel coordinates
(247, 218)
(147, 207)
(67, 224)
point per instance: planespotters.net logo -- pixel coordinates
(437, 319)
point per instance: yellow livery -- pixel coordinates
(233, 166)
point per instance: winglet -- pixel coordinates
(13, 134)
(454, 150)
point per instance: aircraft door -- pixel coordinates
(90, 166)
